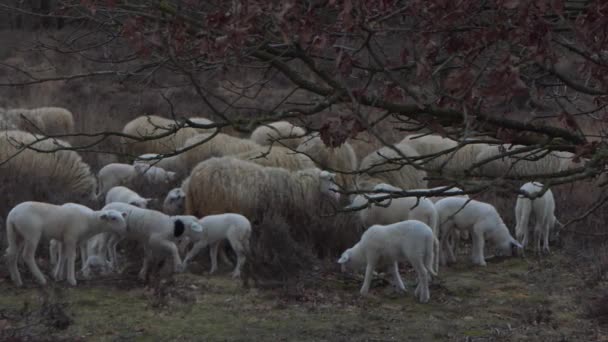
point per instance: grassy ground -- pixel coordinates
(510, 300)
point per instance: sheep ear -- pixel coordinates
(195, 227)
(343, 259)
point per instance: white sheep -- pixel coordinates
(542, 209)
(157, 233)
(480, 219)
(123, 194)
(29, 221)
(216, 228)
(172, 163)
(282, 132)
(387, 245)
(174, 202)
(116, 174)
(395, 210)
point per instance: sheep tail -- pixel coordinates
(436, 255)
(523, 216)
(430, 256)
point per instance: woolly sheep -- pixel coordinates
(227, 184)
(480, 219)
(156, 231)
(378, 167)
(47, 120)
(278, 133)
(542, 209)
(171, 163)
(152, 125)
(116, 174)
(125, 195)
(520, 164)
(56, 177)
(429, 145)
(29, 221)
(277, 156)
(213, 146)
(395, 210)
(174, 202)
(387, 245)
(232, 227)
(341, 158)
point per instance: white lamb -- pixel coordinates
(157, 233)
(542, 209)
(116, 174)
(123, 194)
(174, 203)
(387, 245)
(235, 228)
(29, 221)
(395, 210)
(155, 174)
(481, 220)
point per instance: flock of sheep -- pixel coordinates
(227, 182)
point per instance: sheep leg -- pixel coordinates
(12, 258)
(369, 272)
(70, 258)
(240, 261)
(422, 290)
(546, 231)
(478, 244)
(144, 268)
(396, 277)
(213, 254)
(53, 252)
(30, 258)
(224, 257)
(171, 248)
(196, 248)
(58, 271)
(83, 255)
(537, 237)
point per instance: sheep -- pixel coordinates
(44, 120)
(341, 159)
(387, 245)
(277, 156)
(69, 224)
(227, 184)
(203, 121)
(56, 177)
(216, 228)
(117, 174)
(213, 146)
(171, 163)
(542, 209)
(156, 231)
(125, 195)
(394, 210)
(96, 265)
(521, 164)
(380, 167)
(279, 133)
(428, 145)
(174, 202)
(481, 220)
(152, 125)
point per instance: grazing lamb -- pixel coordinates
(395, 210)
(29, 221)
(481, 220)
(387, 245)
(156, 231)
(125, 195)
(280, 132)
(216, 228)
(542, 209)
(174, 202)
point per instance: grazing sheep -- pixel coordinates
(542, 209)
(217, 146)
(156, 231)
(123, 194)
(395, 210)
(220, 185)
(387, 245)
(148, 126)
(232, 227)
(280, 133)
(171, 163)
(174, 203)
(521, 164)
(44, 120)
(116, 174)
(480, 219)
(69, 224)
(277, 156)
(386, 166)
(57, 177)
(341, 158)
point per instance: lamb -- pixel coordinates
(152, 125)
(29, 221)
(125, 195)
(216, 228)
(386, 166)
(542, 209)
(174, 203)
(157, 232)
(172, 163)
(279, 133)
(528, 163)
(213, 146)
(395, 210)
(481, 220)
(387, 245)
(116, 174)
